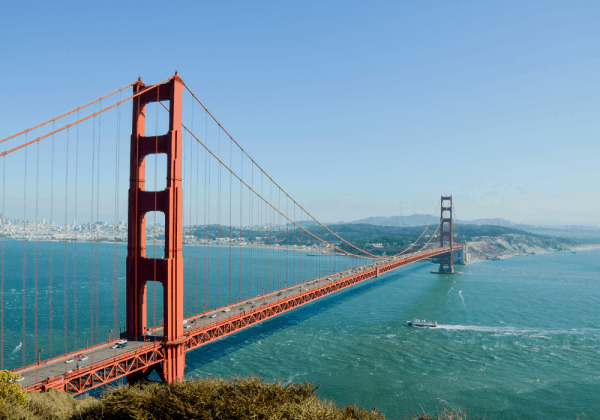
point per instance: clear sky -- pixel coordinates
(356, 108)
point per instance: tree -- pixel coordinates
(10, 389)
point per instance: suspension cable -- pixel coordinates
(264, 199)
(64, 115)
(272, 180)
(27, 143)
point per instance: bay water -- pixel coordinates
(517, 338)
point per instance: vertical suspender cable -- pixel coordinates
(303, 250)
(219, 222)
(250, 224)
(24, 244)
(183, 212)
(66, 240)
(75, 240)
(278, 242)
(116, 246)
(37, 187)
(2, 268)
(191, 163)
(51, 312)
(294, 255)
(92, 237)
(197, 211)
(241, 228)
(208, 277)
(98, 221)
(260, 261)
(287, 241)
(230, 197)
(205, 242)
(272, 265)
(190, 219)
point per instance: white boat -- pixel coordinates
(422, 323)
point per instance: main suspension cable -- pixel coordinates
(272, 180)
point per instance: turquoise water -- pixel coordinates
(519, 338)
(94, 277)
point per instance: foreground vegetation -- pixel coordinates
(236, 398)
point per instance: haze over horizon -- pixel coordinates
(426, 218)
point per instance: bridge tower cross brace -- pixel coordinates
(446, 232)
(169, 269)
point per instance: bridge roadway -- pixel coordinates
(105, 364)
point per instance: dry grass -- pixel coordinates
(214, 399)
(448, 413)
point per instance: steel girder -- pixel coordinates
(103, 372)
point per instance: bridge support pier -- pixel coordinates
(169, 269)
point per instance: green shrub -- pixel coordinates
(10, 389)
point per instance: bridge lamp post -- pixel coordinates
(40, 356)
(264, 295)
(109, 334)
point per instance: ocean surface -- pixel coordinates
(517, 338)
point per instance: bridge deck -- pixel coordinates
(105, 364)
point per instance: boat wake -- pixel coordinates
(17, 348)
(462, 298)
(450, 290)
(504, 330)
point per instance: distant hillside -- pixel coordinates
(389, 240)
(494, 221)
(582, 234)
(423, 219)
(414, 220)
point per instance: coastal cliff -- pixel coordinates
(510, 245)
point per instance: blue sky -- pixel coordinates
(356, 108)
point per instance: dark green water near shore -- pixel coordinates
(518, 338)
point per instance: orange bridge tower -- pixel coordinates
(446, 236)
(169, 269)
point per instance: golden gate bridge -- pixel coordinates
(214, 247)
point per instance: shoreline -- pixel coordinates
(161, 244)
(510, 255)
